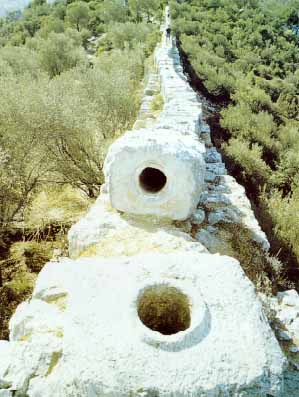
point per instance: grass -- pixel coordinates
(52, 212)
(267, 273)
(157, 103)
(55, 205)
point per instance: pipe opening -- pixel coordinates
(164, 309)
(152, 180)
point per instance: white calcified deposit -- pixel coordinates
(144, 308)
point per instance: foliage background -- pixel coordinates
(246, 55)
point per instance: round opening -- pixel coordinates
(164, 309)
(152, 180)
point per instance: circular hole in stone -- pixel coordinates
(152, 180)
(164, 309)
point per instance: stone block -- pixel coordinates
(198, 217)
(155, 172)
(289, 298)
(204, 319)
(107, 232)
(212, 156)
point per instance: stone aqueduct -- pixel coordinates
(143, 307)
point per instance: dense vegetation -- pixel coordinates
(70, 75)
(246, 54)
(58, 113)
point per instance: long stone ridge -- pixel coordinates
(145, 306)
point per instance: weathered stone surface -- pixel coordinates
(30, 358)
(228, 203)
(212, 156)
(105, 232)
(287, 315)
(104, 348)
(291, 381)
(198, 217)
(284, 311)
(226, 215)
(286, 307)
(284, 335)
(36, 316)
(176, 158)
(207, 239)
(288, 298)
(146, 115)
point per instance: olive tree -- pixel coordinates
(87, 109)
(77, 14)
(23, 161)
(59, 51)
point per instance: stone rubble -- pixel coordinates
(286, 308)
(284, 312)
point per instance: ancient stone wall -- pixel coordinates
(146, 305)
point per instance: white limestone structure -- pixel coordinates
(156, 173)
(179, 324)
(144, 307)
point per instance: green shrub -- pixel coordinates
(248, 55)
(266, 272)
(60, 52)
(31, 254)
(253, 127)
(284, 212)
(249, 160)
(130, 35)
(11, 295)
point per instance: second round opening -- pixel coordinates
(152, 180)
(165, 309)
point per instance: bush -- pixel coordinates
(18, 61)
(253, 127)
(18, 275)
(112, 11)
(11, 295)
(55, 205)
(23, 159)
(58, 115)
(249, 57)
(248, 159)
(129, 34)
(59, 52)
(60, 129)
(31, 254)
(284, 210)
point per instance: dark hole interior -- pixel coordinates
(164, 309)
(152, 180)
